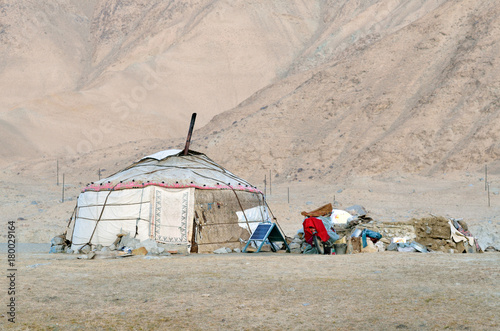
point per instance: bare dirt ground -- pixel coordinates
(259, 291)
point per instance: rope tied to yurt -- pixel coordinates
(69, 222)
(139, 216)
(241, 207)
(100, 215)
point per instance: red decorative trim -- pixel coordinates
(130, 185)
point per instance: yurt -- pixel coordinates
(184, 200)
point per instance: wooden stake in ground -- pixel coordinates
(62, 200)
(265, 185)
(489, 195)
(485, 176)
(269, 182)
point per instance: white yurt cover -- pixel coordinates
(151, 199)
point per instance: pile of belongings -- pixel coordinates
(317, 222)
(358, 240)
(407, 247)
(458, 234)
(124, 245)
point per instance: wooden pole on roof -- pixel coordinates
(190, 132)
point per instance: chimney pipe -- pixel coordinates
(190, 132)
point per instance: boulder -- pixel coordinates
(221, 250)
(130, 242)
(356, 210)
(85, 249)
(57, 249)
(140, 251)
(57, 240)
(149, 244)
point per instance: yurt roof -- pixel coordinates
(171, 169)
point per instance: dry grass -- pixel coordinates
(263, 291)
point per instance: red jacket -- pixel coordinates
(314, 223)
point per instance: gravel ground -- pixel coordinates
(259, 291)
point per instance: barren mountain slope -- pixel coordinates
(424, 99)
(111, 71)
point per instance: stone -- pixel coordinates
(57, 249)
(130, 242)
(98, 247)
(112, 247)
(370, 247)
(140, 251)
(356, 210)
(149, 244)
(460, 247)
(57, 240)
(392, 247)
(221, 250)
(237, 250)
(380, 246)
(85, 249)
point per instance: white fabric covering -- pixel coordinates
(254, 216)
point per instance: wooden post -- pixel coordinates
(57, 171)
(265, 185)
(62, 200)
(485, 177)
(99, 172)
(288, 194)
(270, 182)
(489, 195)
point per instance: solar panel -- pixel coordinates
(266, 232)
(261, 231)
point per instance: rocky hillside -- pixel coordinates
(424, 98)
(80, 76)
(309, 90)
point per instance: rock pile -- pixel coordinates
(297, 243)
(59, 244)
(433, 233)
(123, 245)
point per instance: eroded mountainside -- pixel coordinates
(331, 87)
